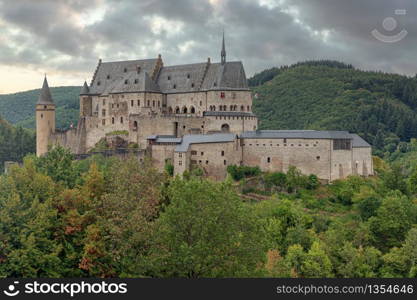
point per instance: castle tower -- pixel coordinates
(45, 119)
(223, 52)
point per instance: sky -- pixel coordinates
(65, 38)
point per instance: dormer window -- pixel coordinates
(138, 70)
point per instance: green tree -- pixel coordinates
(317, 263)
(207, 231)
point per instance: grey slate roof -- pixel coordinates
(359, 142)
(231, 75)
(187, 140)
(110, 77)
(85, 90)
(228, 113)
(45, 95)
(121, 81)
(295, 134)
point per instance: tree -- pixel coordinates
(394, 218)
(206, 231)
(317, 264)
(367, 201)
(358, 262)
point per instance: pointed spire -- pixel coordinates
(223, 53)
(85, 89)
(45, 95)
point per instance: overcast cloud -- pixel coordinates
(65, 38)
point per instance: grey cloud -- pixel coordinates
(260, 36)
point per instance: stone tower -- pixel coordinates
(45, 119)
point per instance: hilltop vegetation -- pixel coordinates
(15, 143)
(327, 95)
(19, 108)
(107, 217)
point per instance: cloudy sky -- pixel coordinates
(65, 38)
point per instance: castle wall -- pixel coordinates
(236, 124)
(239, 100)
(161, 154)
(214, 158)
(67, 139)
(362, 161)
(197, 100)
(341, 162)
(273, 155)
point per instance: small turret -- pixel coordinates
(85, 90)
(45, 119)
(223, 52)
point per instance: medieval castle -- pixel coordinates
(193, 115)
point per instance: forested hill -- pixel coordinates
(19, 108)
(331, 95)
(15, 143)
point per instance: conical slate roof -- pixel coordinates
(85, 89)
(45, 95)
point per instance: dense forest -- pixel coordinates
(111, 217)
(15, 143)
(329, 95)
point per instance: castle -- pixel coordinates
(193, 115)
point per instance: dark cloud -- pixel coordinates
(52, 32)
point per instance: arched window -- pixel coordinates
(248, 108)
(170, 110)
(225, 128)
(121, 120)
(231, 107)
(135, 125)
(184, 110)
(242, 108)
(192, 110)
(112, 120)
(235, 108)
(221, 108)
(177, 110)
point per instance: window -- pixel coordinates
(233, 95)
(285, 141)
(215, 84)
(135, 125)
(125, 70)
(175, 86)
(169, 77)
(341, 144)
(45, 107)
(202, 153)
(201, 103)
(159, 103)
(153, 103)
(41, 116)
(112, 105)
(188, 76)
(126, 81)
(104, 101)
(268, 160)
(318, 157)
(225, 162)
(149, 103)
(180, 155)
(138, 102)
(206, 162)
(222, 153)
(108, 76)
(248, 108)
(98, 82)
(121, 120)
(136, 81)
(192, 84)
(112, 120)
(103, 121)
(103, 112)
(131, 103)
(117, 105)
(222, 95)
(193, 152)
(192, 110)
(180, 163)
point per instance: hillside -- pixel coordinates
(19, 108)
(15, 143)
(330, 95)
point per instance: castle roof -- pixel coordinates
(134, 76)
(228, 113)
(187, 140)
(45, 95)
(85, 90)
(359, 142)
